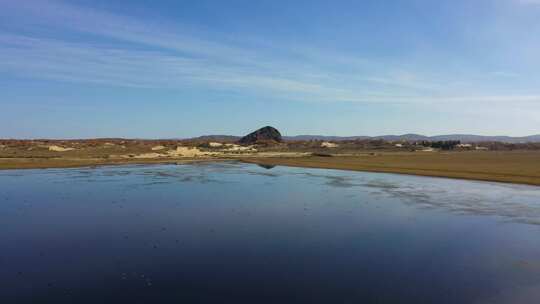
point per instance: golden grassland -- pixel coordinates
(501, 166)
(521, 167)
(65, 162)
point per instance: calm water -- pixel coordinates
(238, 233)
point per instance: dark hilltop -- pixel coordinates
(263, 135)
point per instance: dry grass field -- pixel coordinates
(522, 166)
(507, 166)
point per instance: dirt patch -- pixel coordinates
(238, 148)
(327, 144)
(60, 149)
(188, 152)
(158, 148)
(149, 155)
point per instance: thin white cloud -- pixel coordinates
(529, 1)
(505, 74)
(126, 52)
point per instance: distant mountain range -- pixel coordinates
(464, 138)
(218, 138)
(417, 137)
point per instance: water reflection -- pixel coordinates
(266, 166)
(239, 233)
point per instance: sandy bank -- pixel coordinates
(508, 167)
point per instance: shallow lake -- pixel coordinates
(239, 233)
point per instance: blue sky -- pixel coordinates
(162, 69)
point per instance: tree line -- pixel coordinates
(442, 144)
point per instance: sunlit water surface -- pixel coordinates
(238, 233)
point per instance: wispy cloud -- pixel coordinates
(126, 52)
(505, 74)
(528, 1)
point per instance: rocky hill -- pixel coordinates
(263, 135)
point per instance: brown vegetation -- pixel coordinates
(518, 163)
(513, 167)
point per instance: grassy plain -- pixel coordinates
(501, 166)
(521, 167)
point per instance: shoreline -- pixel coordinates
(33, 164)
(342, 163)
(390, 171)
(513, 168)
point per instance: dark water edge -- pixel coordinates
(239, 233)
